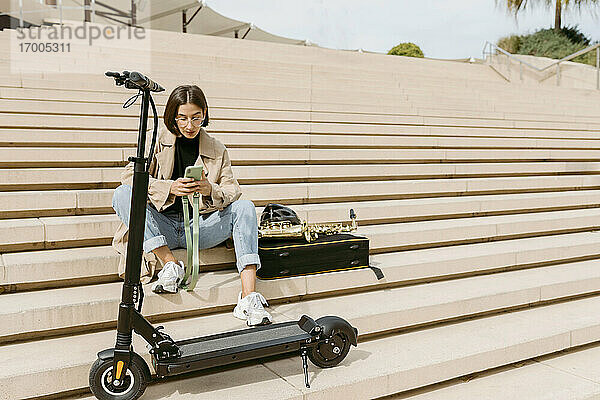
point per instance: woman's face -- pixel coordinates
(189, 119)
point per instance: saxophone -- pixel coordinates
(310, 232)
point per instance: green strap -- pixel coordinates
(188, 239)
(193, 244)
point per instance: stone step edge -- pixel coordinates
(436, 391)
(465, 383)
(312, 290)
(393, 380)
(13, 287)
(371, 335)
(484, 221)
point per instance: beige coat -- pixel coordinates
(215, 160)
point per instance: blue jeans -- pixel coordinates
(237, 220)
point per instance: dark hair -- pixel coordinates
(181, 95)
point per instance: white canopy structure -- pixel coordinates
(198, 17)
(193, 16)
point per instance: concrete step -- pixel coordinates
(410, 235)
(84, 265)
(15, 120)
(26, 203)
(443, 94)
(475, 131)
(89, 230)
(116, 97)
(45, 107)
(12, 120)
(515, 108)
(350, 191)
(59, 178)
(568, 374)
(241, 76)
(113, 96)
(12, 137)
(420, 84)
(88, 113)
(91, 138)
(549, 114)
(12, 179)
(380, 155)
(220, 67)
(241, 72)
(273, 91)
(353, 191)
(530, 379)
(16, 157)
(41, 109)
(403, 362)
(32, 314)
(217, 101)
(495, 340)
(401, 141)
(486, 130)
(377, 212)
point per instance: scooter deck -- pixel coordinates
(235, 346)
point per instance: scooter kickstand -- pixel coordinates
(305, 367)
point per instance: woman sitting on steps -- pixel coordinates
(182, 143)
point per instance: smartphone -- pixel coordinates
(193, 171)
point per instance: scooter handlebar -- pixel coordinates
(144, 82)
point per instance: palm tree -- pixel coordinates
(514, 6)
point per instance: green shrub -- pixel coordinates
(548, 43)
(551, 44)
(575, 35)
(511, 43)
(406, 49)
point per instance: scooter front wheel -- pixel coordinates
(133, 384)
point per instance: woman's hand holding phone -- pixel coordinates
(204, 186)
(185, 186)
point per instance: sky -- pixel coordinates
(443, 29)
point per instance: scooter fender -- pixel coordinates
(332, 324)
(112, 352)
(106, 354)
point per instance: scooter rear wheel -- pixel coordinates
(135, 379)
(330, 352)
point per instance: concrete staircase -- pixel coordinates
(480, 199)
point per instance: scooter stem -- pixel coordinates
(135, 243)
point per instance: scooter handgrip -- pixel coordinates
(144, 82)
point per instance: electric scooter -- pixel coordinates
(120, 373)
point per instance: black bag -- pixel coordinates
(288, 257)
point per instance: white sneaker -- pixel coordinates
(250, 309)
(169, 278)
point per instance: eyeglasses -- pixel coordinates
(183, 121)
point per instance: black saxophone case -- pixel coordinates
(282, 258)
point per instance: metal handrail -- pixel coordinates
(596, 47)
